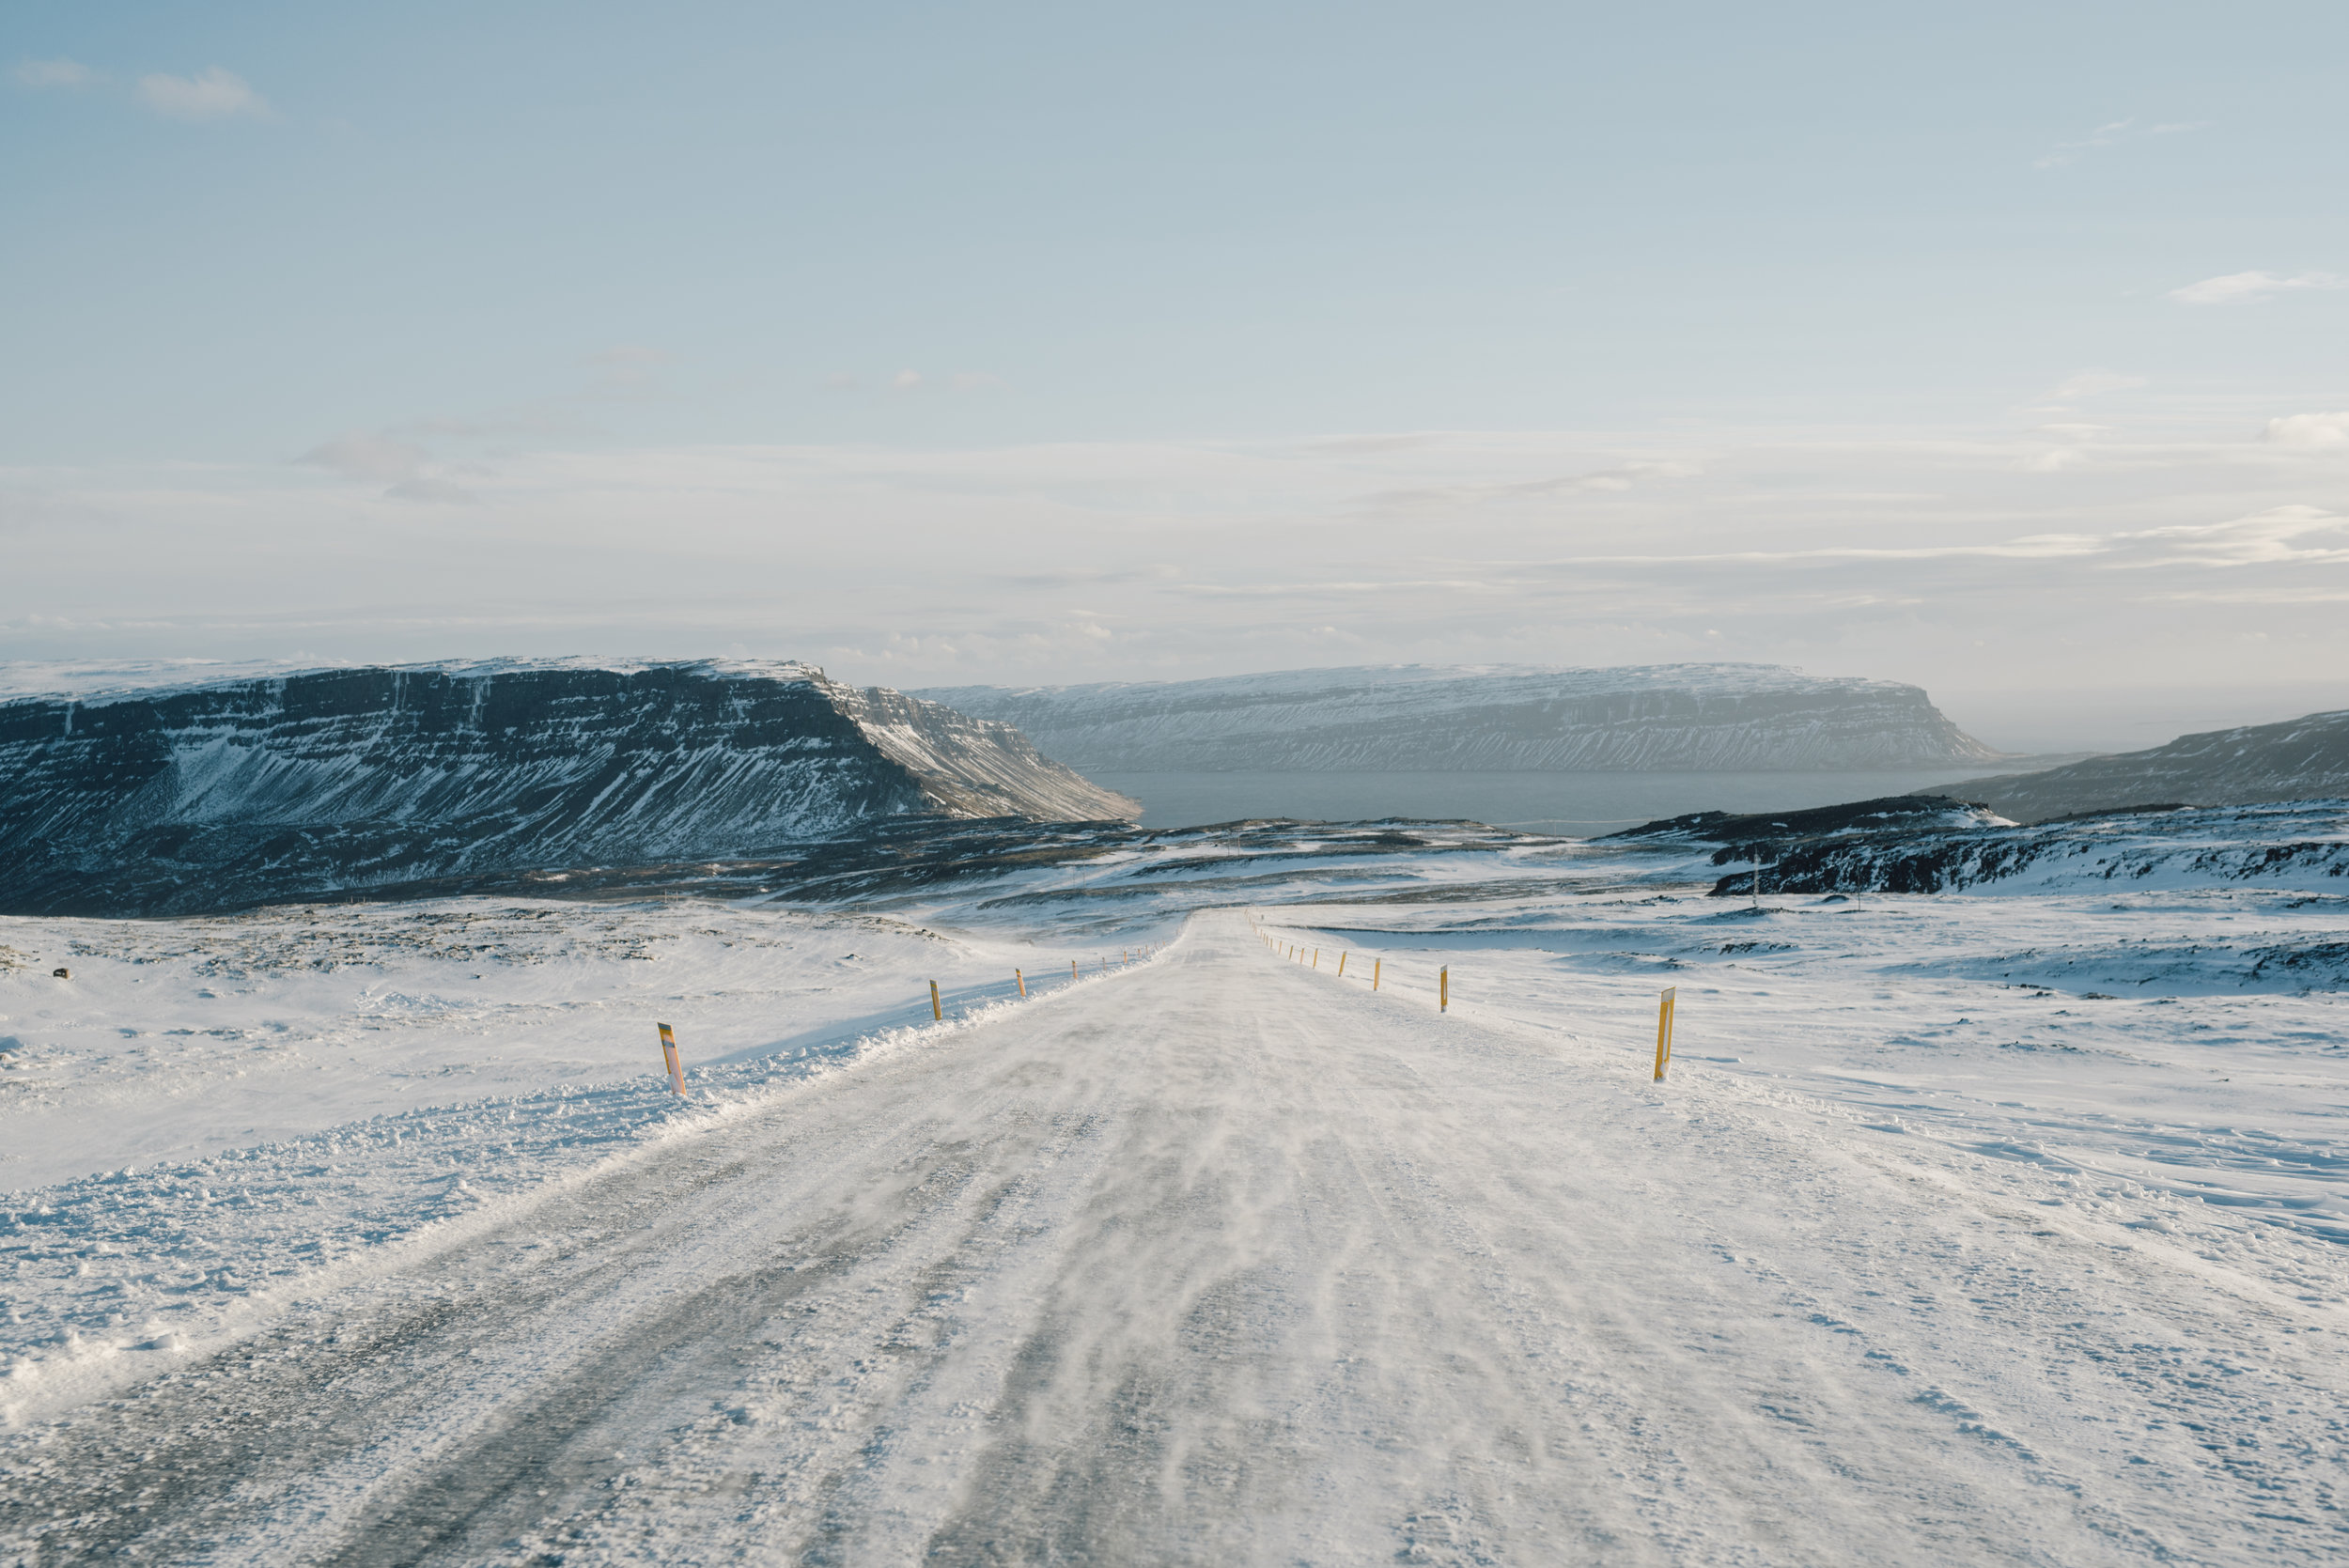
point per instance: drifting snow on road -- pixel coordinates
(1224, 1259)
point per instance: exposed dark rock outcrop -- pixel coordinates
(2300, 845)
(1891, 813)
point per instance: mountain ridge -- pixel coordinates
(2302, 758)
(1718, 717)
(209, 795)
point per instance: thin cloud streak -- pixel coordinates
(216, 94)
(2244, 288)
(56, 73)
(2111, 134)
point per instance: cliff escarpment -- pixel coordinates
(251, 791)
(1694, 718)
(2302, 759)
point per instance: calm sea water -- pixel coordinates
(1578, 805)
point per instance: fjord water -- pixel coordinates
(1574, 805)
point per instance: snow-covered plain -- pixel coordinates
(2007, 1225)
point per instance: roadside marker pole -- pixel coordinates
(1664, 1032)
(1443, 988)
(1317, 957)
(668, 1054)
(1023, 984)
(1374, 964)
(1341, 966)
(1072, 972)
(938, 1013)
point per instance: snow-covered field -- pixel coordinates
(1989, 1226)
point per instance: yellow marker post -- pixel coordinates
(1664, 1032)
(1341, 966)
(1374, 965)
(1072, 968)
(668, 1054)
(1023, 984)
(938, 1013)
(1317, 957)
(1443, 988)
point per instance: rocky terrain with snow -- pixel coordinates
(1412, 717)
(213, 795)
(2299, 842)
(2304, 759)
(1998, 1224)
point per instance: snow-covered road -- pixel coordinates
(1224, 1261)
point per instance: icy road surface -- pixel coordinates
(1223, 1260)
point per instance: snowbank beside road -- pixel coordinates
(213, 1114)
(179, 1038)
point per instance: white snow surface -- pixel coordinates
(1964, 1229)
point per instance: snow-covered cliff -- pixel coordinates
(1509, 718)
(2304, 759)
(238, 792)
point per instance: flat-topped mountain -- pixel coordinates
(253, 790)
(1401, 718)
(2302, 759)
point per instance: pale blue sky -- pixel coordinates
(324, 288)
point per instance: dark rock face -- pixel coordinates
(1889, 814)
(214, 797)
(1413, 717)
(2306, 759)
(2303, 845)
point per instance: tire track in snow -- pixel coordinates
(423, 1413)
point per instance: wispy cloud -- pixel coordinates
(914, 380)
(2316, 430)
(2111, 134)
(1936, 555)
(2094, 384)
(2282, 535)
(402, 467)
(1604, 481)
(2241, 288)
(628, 371)
(215, 95)
(56, 73)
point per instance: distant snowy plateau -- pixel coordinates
(1708, 718)
(2006, 1221)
